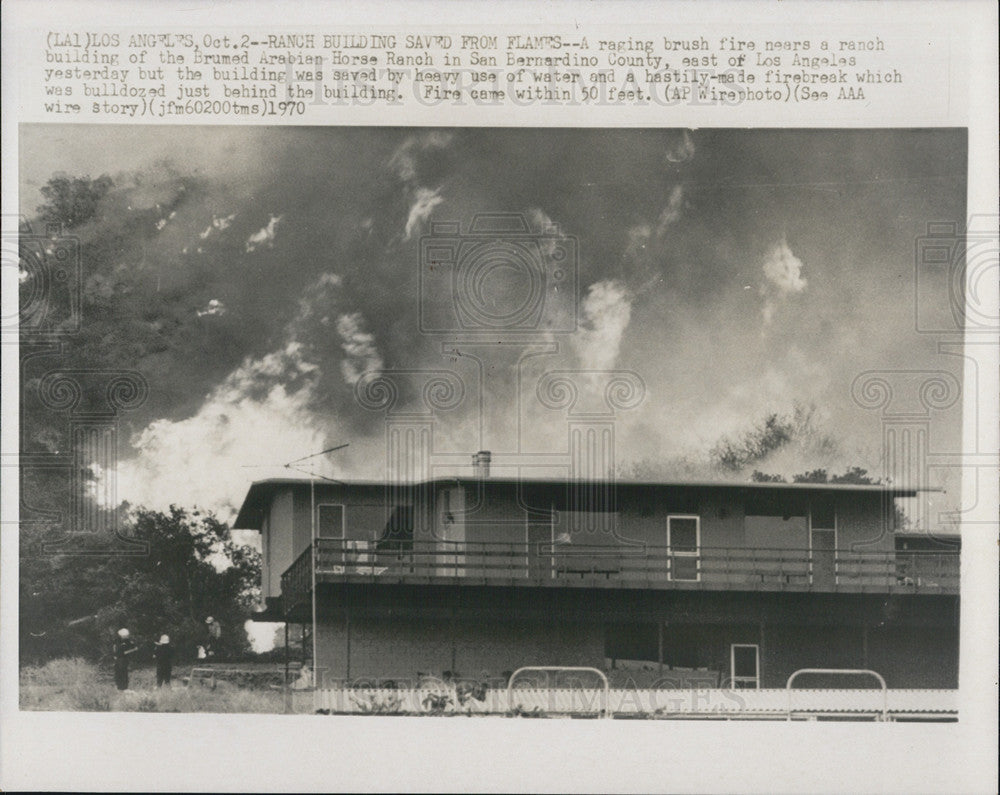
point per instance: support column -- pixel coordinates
(288, 691)
(660, 626)
(287, 660)
(451, 632)
(347, 631)
(864, 644)
(760, 653)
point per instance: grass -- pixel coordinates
(74, 685)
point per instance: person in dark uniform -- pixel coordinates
(122, 648)
(163, 653)
(213, 631)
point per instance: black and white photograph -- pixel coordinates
(599, 423)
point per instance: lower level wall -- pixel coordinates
(402, 649)
(905, 656)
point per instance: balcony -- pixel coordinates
(640, 567)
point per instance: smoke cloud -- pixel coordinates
(249, 421)
(606, 312)
(362, 355)
(423, 204)
(783, 271)
(264, 236)
(682, 150)
(253, 276)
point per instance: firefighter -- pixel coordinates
(122, 648)
(214, 631)
(163, 652)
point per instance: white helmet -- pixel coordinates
(123, 633)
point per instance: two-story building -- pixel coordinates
(712, 584)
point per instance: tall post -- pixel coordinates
(313, 561)
(760, 652)
(347, 650)
(659, 652)
(288, 692)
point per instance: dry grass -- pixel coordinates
(74, 685)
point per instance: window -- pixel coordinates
(683, 541)
(330, 521)
(744, 661)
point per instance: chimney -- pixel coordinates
(481, 464)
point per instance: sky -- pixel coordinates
(736, 273)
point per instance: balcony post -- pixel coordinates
(287, 690)
(659, 653)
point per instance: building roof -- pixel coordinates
(251, 513)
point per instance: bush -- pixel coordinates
(66, 685)
(63, 672)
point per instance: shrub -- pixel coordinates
(74, 685)
(63, 672)
(436, 703)
(372, 704)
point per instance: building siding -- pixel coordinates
(401, 649)
(279, 553)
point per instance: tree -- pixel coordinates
(763, 477)
(71, 603)
(813, 476)
(777, 440)
(855, 475)
(774, 432)
(71, 201)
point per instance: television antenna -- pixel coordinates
(294, 464)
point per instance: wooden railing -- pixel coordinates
(724, 568)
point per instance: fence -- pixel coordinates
(695, 703)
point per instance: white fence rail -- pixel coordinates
(838, 672)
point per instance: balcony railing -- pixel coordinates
(723, 568)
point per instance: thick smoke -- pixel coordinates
(256, 286)
(262, 237)
(783, 272)
(606, 311)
